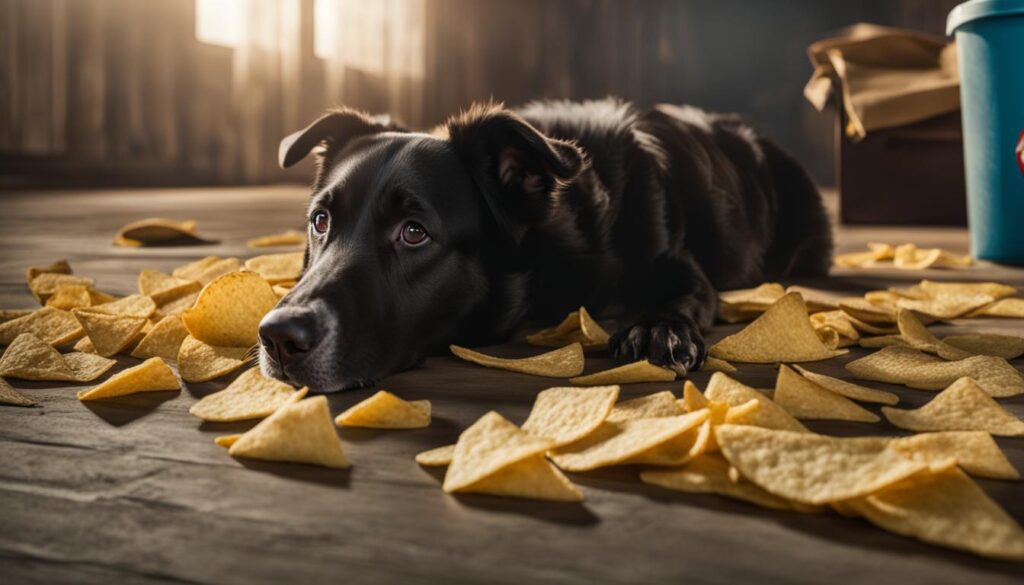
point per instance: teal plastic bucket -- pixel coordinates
(990, 47)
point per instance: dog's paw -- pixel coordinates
(673, 343)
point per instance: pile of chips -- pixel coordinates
(904, 257)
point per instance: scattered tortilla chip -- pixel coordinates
(179, 305)
(625, 442)
(155, 231)
(578, 326)
(70, 296)
(994, 289)
(229, 310)
(129, 306)
(849, 389)
(782, 334)
(194, 269)
(560, 363)
(298, 432)
(110, 334)
(384, 410)
(805, 399)
(641, 371)
(58, 267)
(683, 448)
(811, 468)
(152, 375)
(53, 326)
(910, 257)
(84, 345)
(227, 440)
(277, 268)
(722, 388)
(164, 288)
(946, 306)
(1007, 347)
(45, 285)
(817, 301)
(868, 313)
(532, 478)
(12, 314)
(964, 406)
(880, 341)
(713, 364)
(8, 395)
(30, 358)
(839, 323)
(875, 255)
(249, 396)
(870, 328)
(201, 362)
(654, 405)
(736, 306)
(565, 415)
(693, 398)
(912, 368)
(916, 335)
(86, 367)
(709, 474)
(438, 457)
(163, 340)
(285, 238)
(974, 451)
(281, 290)
(945, 508)
(1011, 308)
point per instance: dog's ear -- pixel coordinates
(519, 170)
(331, 132)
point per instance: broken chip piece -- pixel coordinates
(910, 257)
(782, 334)
(963, 406)
(384, 410)
(53, 326)
(229, 309)
(298, 432)
(560, 363)
(155, 231)
(277, 268)
(805, 399)
(285, 238)
(201, 362)
(437, 457)
(163, 340)
(578, 326)
(164, 288)
(8, 395)
(44, 285)
(904, 365)
(641, 371)
(152, 375)
(57, 267)
(251, 395)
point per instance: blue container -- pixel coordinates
(990, 47)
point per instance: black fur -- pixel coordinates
(533, 213)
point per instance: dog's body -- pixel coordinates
(532, 214)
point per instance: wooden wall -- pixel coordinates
(120, 92)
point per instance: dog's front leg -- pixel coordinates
(674, 302)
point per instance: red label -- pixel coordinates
(1020, 152)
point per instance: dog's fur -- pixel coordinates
(533, 213)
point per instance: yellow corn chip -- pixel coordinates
(722, 388)
(281, 290)
(807, 400)
(201, 362)
(227, 440)
(285, 238)
(129, 306)
(810, 468)
(164, 288)
(86, 367)
(946, 306)
(384, 410)
(641, 371)
(12, 314)
(163, 340)
(229, 310)
(910, 257)
(683, 448)
(866, 312)
(904, 365)
(880, 341)
(532, 478)
(110, 334)
(438, 457)
(58, 267)
(249, 396)
(916, 335)
(565, 415)
(746, 304)
(578, 326)
(838, 322)
(1012, 308)
(485, 448)
(192, 270)
(869, 328)
(651, 406)
(29, 358)
(964, 406)
(782, 334)
(1007, 347)
(945, 508)
(152, 375)
(713, 364)
(817, 301)
(974, 451)
(70, 296)
(8, 395)
(876, 254)
(154, 231)
(849, 389)
(180, 305)
(560, 363)
(277, 268)
(298, 432)
(53, 326)
(617, 443)
(709, 474)
(44, 285)
(693, 399)
(995, 290)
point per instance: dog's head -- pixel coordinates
(410, 236)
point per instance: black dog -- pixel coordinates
(419, 240)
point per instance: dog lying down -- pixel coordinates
(420, 240)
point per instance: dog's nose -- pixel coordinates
(288, 333)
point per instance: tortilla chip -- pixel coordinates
(709, 474)
(817, 301)
(201, 362)
(870, 328)
(532, 478)
(912, 368)
(641, 371)
(298, 432)
(70, 296)
(249, 396)
(994, 289)
(281, 290)
(964, 406)
(384, 410)
(654, 405)
(179, 305)
(624, 442)
(849, 389)
(838, 322)
(946, 306)
(565, 415)
(1011, 308)
(782, 334)
(285, 238)
(945, 508)
(736, 306)
(229, 310)
(155, 230)
(438, 457)
(227, 440)
(129, 306)
(58, 267)
(8, 395)
(578, 326)
(192, 270)
(693, 399)
(163, 340)
(30, 358)
(152, 375)
(880, 341)
(1007, 347)
(974, 451)
(866, 312)
(722, 388)
(807, 400)
(916, 335)
(485, 448)
(86, 367)
(12, 314)
(560, 363)
(910, 257)
(164, 288)
(110, 334)
(52, 326)
(277, 268)
(810, 468)
(713, 364)
(44, 285)
(683, 448)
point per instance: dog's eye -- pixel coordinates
(414, 234)
(321, 222)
